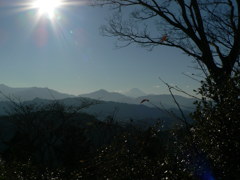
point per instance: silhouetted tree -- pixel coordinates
(208, 30)
(217, 129)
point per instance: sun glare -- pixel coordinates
(47, 7)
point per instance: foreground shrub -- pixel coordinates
(217, 129)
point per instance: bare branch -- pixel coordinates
(209, 31)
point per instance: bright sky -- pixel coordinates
(62, 49)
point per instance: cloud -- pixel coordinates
(157, 86)
(118, 91)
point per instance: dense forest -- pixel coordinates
(60, 142)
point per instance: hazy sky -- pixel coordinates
(68, 54)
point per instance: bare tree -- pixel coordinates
(208, 30)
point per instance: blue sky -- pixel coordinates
(70, 55)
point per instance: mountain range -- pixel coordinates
(124, 106)
(163, 100)
(109, 96)
(121, 112)
(26, 94)
(133, 96)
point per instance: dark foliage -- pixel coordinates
(57, 142)
(217, 130)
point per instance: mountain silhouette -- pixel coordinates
(109, 96)
(26, 94)
(163, 100)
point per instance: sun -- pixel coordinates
(47, 7)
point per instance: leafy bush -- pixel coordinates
(217, 129)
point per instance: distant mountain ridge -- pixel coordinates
(123, 113)
(126, 108)
(166, 101)
(163, 100)
(108, 96)
(26, 94)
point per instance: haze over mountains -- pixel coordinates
(133, 96)
(108, 96)
(123, 107)
(163, 100)
(134, 92)
(26, 94)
